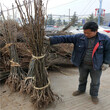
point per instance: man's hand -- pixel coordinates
(104, 67)
(46, 38)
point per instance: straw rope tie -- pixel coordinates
(7, 46)
(40, 88)
(38, 57)
(14, 63)
(29, 78)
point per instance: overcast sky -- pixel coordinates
(62, 7)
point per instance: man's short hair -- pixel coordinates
(90, 25)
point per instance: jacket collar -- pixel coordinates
(99, 37)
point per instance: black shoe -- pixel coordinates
(76, 93)
(95, 99)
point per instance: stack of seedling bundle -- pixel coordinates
(36, 83)
(9, 32)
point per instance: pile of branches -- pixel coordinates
(4, 70)
(23, 54)
(57, 54)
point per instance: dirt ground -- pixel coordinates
(62, 83)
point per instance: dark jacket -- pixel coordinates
(102, 54)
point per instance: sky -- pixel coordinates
(66, 7)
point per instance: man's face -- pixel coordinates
(89, 34)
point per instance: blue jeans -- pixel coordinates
(95, 75)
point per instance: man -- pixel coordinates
(91, 54)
